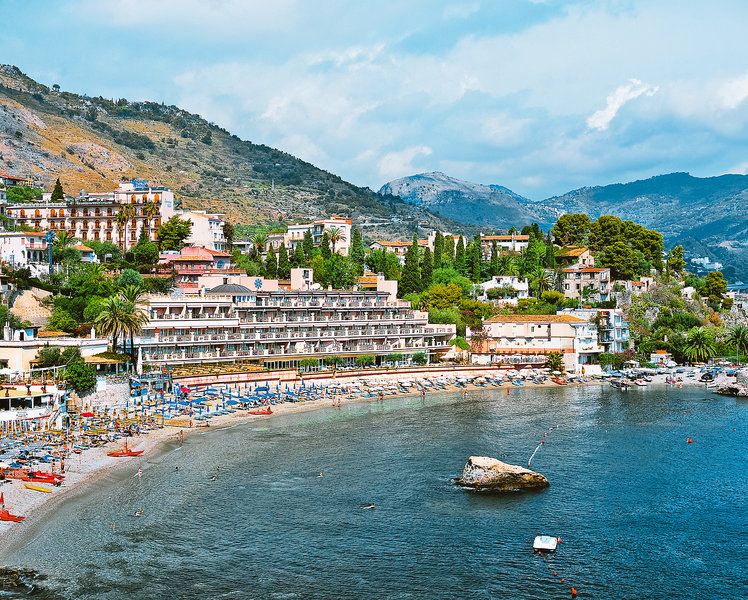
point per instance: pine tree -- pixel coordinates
(438, 246)
(427, 269)
(298, 257)
(284, 267)
(324, 247)
(271, 265)
(308, 245)
(358, 253)
(410, 280)
(460, 256)
(494, 259)
(448, 251)
(57, 193)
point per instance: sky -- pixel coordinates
(540, 96)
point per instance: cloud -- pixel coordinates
(400, 163)
(734, 92)
(601, 119)
(460, 11)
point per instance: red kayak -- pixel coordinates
(559, 381)
(264, 411)
(125, 452)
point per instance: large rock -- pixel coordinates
(484, 473)
(739, 388)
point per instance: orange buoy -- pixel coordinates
(573, 592)
(543, 560)
(549, 566)
(690, 441)
(562, 580)
(554, 572)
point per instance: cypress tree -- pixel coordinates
(494, 259)
(284, 267)
(410, 280)
(358, 253)
(427, 269)
(308, 245)
(324, 247)
(297, 260)
(448, 250)
(476, 262)
(438, 246)
(57, 193)
(271, 265)
(460, 256)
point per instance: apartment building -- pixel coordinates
(611, 328)
(513, 242)
(207, 230)
(587, 283)
(526, 339)
(191, 263)
(511, 288)
(20, 250)
(93, 216)
(276, 329)
(399, 247)
(294, 235)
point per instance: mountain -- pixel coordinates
(708, 216)
(487, 205)
(93, 143)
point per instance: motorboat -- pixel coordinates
(545, 543)
(641, 383)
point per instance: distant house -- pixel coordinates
(597, 281)
(511, 288)
(513, 242)
(192, 263)
(399, 247)
(87, 254)
(574, 256)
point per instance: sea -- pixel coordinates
(359, 502)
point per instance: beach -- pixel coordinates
(83, 470)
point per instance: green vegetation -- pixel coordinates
(23, 193)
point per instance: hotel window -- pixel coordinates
(156, 198)
(97, 212)
(133, 200)
(23, 213)
(37, 213)
(145, 197)
(85, 212)
(109, 235)
(96, 224)
(53, 213)
(73, 212)
(109, 212)
(85, 224)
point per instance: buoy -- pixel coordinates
(554, 572)
(690, 441)
(573, 592)
(562, 580)
(543, 560)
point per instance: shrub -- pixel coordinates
(419, 358)
(365, 360)
(130, 277)
(80, 376)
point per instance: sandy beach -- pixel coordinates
(85, 469)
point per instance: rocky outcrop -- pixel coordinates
(484, 473)
(738, 388)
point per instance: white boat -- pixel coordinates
(544, 543)
(641, 383)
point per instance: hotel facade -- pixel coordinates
(277, 329)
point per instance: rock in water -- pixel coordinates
(484, 473)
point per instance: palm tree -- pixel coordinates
(131, 297)
(150, 210)
(113, 319)
(506, 265)
(62, 240)
(540, 281)
(738, 335)
(122, 218)
(259, 240)
(555, 362)
(334, 235)
(699, 345)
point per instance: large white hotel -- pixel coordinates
(276, 329)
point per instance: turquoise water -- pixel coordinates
(642, 514)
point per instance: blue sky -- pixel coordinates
(541, 96)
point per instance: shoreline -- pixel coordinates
(85, 469)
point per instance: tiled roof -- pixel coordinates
(534, 319)
(585, 270)
(571, 251)
(506, 238)
(401, 243)
(82, 248)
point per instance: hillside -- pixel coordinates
(486, 205)
(709, 216)
(92, 143)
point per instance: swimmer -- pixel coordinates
(320, 475)
(213, 478)
(369, 506)
(176, 468)
(140, 473)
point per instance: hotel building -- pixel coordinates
(276, 329)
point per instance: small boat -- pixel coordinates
(558, 380)
(37, 488)
(544, 543)
(5, 514)
(264, 411)
(125, 452)
(641, 383)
